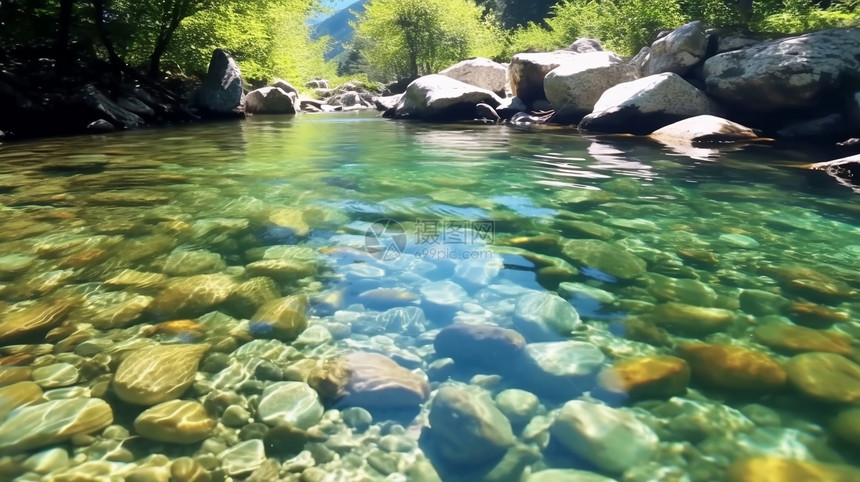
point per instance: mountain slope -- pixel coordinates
(338, 28)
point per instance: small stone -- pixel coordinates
(148, 474)
(480, 345)
(34, 319)
(186, 469)
(12, 265)
(699, 256)
(177, 421)
(188, 263)
(467, 426)
(798, 339)
(688, 291)
(282, 318)
(47, 461)
(313, 336)
(56, 375)
(564, 368)
(18, 395)
(518, 405)
(155, 374)
(611, 439)
(815, 315)
(235, 416)
(53, 422)
(541, 316)
(772, 469)
(567, 475)
(609, 258)
(370, 380)
(193, 296)
(762, 303)
(294, 404)
(732, 367)
(357, 418)
(397, 443)
(739, 241)
(825, 376)
(579, 291)
(130, 278)
(689, 319)
(659, 376)
(243, 458)
(281, 270)
(251, 295)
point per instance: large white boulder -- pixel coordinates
(439, 97)
(678, 51)
(574, 87)
(269, 100)
(704, 129)
(647, 104)
(804, 72)
(480, 72)
(527, 70)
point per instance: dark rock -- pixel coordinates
(269, 100)
(101, 106)
(221, 92)
(486, 346)
(100, 126)
(678, 51)
(528, 70)
(485, 111)
(584, 45)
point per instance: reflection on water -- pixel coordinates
(349, 298)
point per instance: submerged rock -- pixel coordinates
(609, 258)
(732, 367)
(541, 316)
(773, 469)
(642, 378)
(697, 320)
(282, 318)
(156, 374)
(33, 319)
(17, 395)
(486, 346)
(176, 421)
(611, 439)
(467, 426)
(799, 339)
(561, 369)
(192, 296)
(53, 422)
(294, 404)
(825, 376)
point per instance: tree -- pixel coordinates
(408, 38)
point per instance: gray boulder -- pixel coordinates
(677, 52)
(102, 107)
(480, 72)
(527, 70)
(285, 86)
(439, 97)
(385, 102)
(584, 45)
(803, 72)
(317, 84)
(269, 100)
(221, 92)
(704, 129)
(647, 104)
(574, 87)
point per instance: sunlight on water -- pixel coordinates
(348, 298)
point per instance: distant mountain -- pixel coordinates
(338, 28)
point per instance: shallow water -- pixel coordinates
(110, 245)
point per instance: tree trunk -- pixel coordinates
(64, 33)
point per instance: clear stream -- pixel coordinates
(722, 285)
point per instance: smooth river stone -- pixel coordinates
(33, 319)
(586, 228)
(56, 375)
(612, 259)
(611, 439)
(12, 265)
(53, 422)
(564, 368)
(739, 241)
(825, 376)
(243, 458)
(107, 311)
(282, 318)
(799, 339)
(188, 263)
(291, 218)
(772, 469)
(846, 426)
(733, 367)
(761, 303)
(541, 316)
(467, 426)
(294, 404)
(155, 374)
(567, 475)
(129, 278)
(177, 421)
(689, 291)
(659, 376)
(518, 405)
(17, 395)
(486, 346)
(193, 296)
(251, 295)
(815, 315)
(282, 270)
(369, 380)
(689, 319)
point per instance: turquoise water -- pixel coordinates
(721, 285)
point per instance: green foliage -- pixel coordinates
(797, 16)
(268, 38)
(531, 38)
(407, 38)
